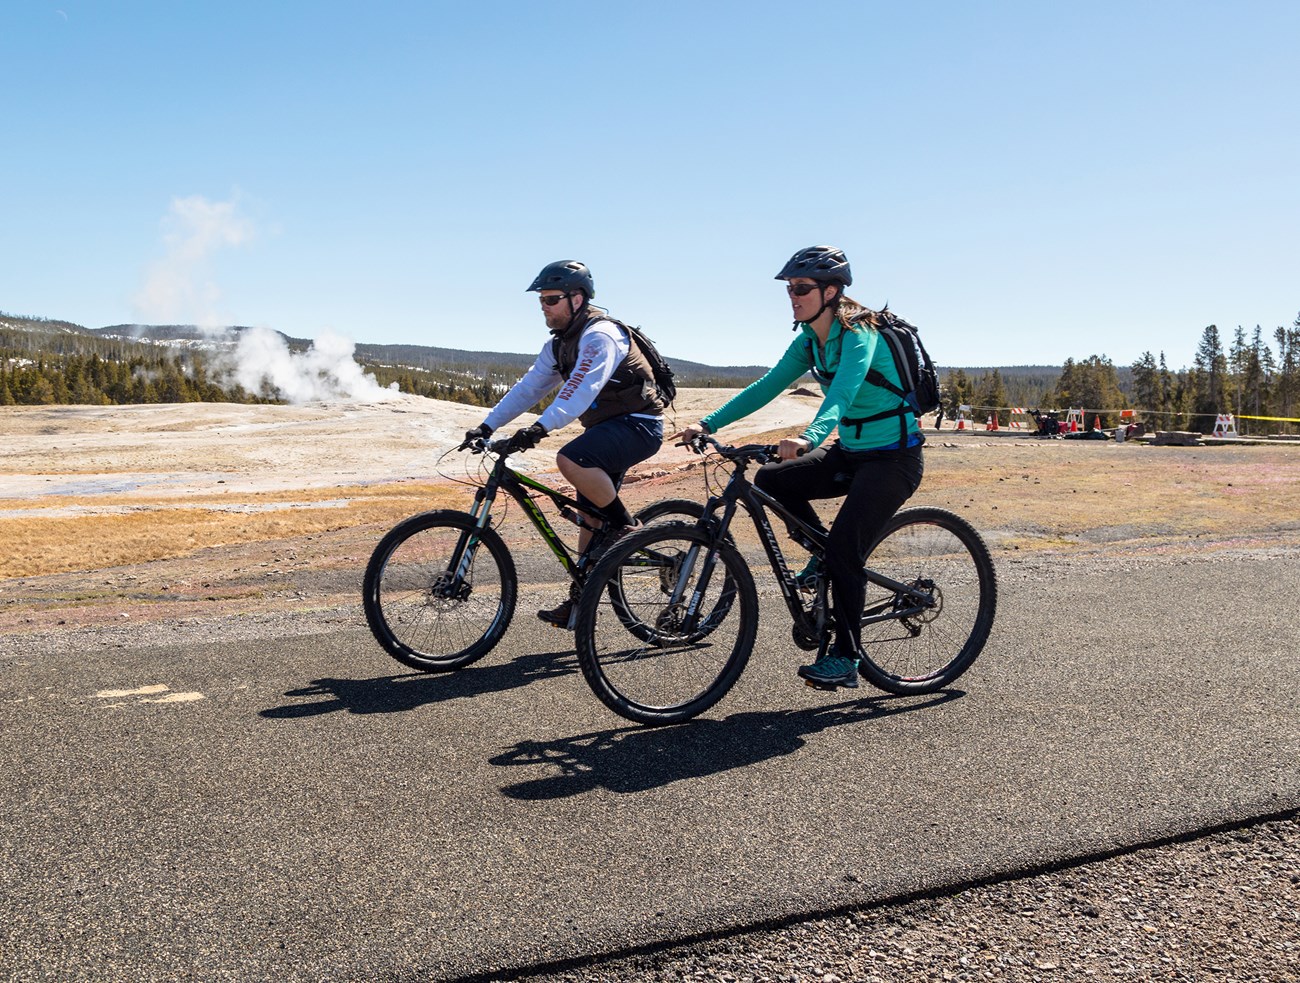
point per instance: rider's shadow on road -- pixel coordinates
(394, 694)
(635, 759)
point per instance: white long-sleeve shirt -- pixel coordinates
(603, 347)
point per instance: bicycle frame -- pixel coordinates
(740, 491)
(522, 489)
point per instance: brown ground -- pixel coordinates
(158, 512)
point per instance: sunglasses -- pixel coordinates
(552, 300)
(801, 289)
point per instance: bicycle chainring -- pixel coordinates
(805, 636)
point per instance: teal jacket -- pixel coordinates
(840, 367)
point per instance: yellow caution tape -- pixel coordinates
(1090, 412)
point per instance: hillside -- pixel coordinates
(44, 360)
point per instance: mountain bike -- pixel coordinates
(690, 595)
(440, 588)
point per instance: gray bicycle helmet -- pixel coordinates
(825, 264)
(567, 275)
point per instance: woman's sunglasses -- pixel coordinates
(801, 289)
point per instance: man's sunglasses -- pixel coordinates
(552, 300)
(801, 289)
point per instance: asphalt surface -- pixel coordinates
(305, 808)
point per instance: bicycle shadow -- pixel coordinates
(408, 691)
(635, 759)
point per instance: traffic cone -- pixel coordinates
(1074, 426)
(993, 422)
(1096, 422)
(961, 423)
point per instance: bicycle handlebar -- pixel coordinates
(482, 445)
(758, 453)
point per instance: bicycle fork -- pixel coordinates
(462, 558)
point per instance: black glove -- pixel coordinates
(481, 432)
(525, 439)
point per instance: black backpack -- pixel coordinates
(920, 382)
(919, 388)
(663, 372)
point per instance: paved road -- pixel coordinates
(317, 814)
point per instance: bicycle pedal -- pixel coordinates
(824, 687)
(831, 687)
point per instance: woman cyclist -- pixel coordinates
(875, 464)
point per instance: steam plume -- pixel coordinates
(180, 289)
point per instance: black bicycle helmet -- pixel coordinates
(566, 275)
(825, 264)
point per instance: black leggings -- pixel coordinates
(874, 484)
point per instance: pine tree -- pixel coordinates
(1254, 381)
(1209, 391)
(1288, 364)
(991, 395)
(1238, 366)
(1146, 383)
(1166, 390)
(959, 392)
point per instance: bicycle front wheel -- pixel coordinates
(668, 510)
(642, 651)
(439, 592)
(923, 635)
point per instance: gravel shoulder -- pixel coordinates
(1225, 906)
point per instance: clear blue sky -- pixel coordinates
(1027, 181)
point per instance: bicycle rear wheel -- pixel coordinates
(668, 510)
(635, 649)
(919, 646)
(438, 592)
(683, 509)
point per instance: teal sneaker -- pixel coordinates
(806, 579)
(830, 671)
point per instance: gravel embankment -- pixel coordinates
(1224, 907)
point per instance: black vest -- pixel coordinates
(631, 389)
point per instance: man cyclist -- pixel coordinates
(604, 382)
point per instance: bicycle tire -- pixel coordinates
(670, 676)
(671, 510)
(940, 552)
(419, 616)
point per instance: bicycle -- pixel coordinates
(440, 588)
(931, 600)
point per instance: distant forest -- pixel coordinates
(45, 361)
(1248, 379)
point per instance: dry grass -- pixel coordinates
(1024, 494)
(1065, 495)
(157, 529)
(1071, 495)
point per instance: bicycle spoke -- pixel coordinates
(428, 609)
(918, 649)
(641, 650)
